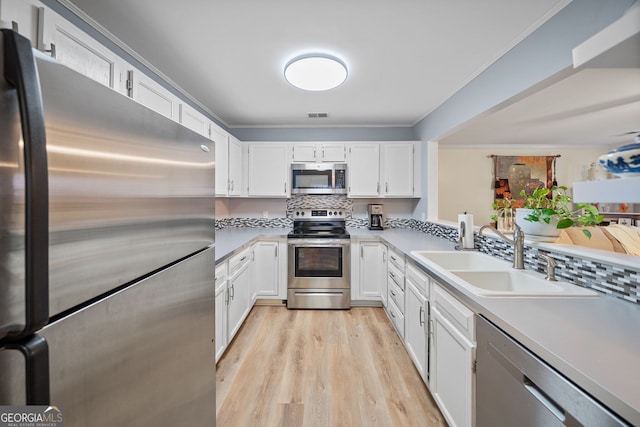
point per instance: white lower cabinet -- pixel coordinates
(269, 269)
(239, 288)
(452, 358)
(368, 270)
(221, 309)
(417, 319)
(396, 290)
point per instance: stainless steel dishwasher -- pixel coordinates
(516, 388)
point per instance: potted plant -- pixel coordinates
(548, 213)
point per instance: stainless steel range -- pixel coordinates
(319, 260)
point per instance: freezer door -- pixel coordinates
(129, 190)
(142, 357)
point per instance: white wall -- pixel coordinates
(465, 178)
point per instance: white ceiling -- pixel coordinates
(405, 57)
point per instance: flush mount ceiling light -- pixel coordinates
(315, 72)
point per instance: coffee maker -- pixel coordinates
(376, 218)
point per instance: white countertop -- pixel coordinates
(593, 341)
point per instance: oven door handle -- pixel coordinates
(319, 243)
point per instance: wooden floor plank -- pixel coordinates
(309, 368)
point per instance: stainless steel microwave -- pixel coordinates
(318, 178)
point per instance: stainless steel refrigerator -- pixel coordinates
(106, 251)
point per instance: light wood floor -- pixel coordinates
(320, 368)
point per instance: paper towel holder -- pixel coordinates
(461, 233)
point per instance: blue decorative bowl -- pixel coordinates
(623, 161)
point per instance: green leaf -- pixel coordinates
(565, 223)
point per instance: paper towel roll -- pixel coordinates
(467, 236)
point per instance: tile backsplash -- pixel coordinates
(619, 282)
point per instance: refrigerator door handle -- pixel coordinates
(21, 72)
(36, 354)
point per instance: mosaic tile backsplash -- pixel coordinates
(615, 281)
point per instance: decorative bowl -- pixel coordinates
(623, 161)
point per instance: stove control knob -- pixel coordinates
(330, 213)
(335, 213)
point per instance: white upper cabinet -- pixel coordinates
(221, 140)
(21, 15)
(397, 169)
(268, 170)
(235, 167)
(386, 169)
(325, 152)
(190, 118)
(364, 170)
(150, 93)
(57, 37)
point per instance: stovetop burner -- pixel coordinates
(319, 223)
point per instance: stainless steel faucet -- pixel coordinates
(517, 242)
(551, 267)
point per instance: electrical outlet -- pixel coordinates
(265, 214)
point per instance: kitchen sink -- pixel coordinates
(517, 283)
(460, 260)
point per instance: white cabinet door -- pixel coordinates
(192, 119)
(397, 167)
(221, 310)
(151, 94)
(364, 170)
(235, 166)
(333, 153)
(239, 298)
(268, 170)
(451, 371)
(23, 15)
(304, 153)
(221, 139)
(373, 270)
(266, 269)
(80, 52)
(415, 332)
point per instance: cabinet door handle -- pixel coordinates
(276, 256)
(430, 327)
(421, 316)
(393, 293)
(392, 275)
(386, 187)
(361, 252)
(233, 291)
(384, 257)
(392, 315)
(243, 258)
(226, 296)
